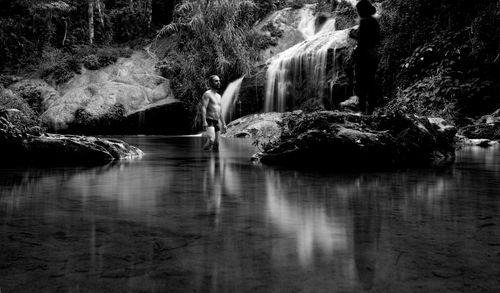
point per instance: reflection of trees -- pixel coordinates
(392, 198)
(367, 220)
(129, 186)
(21, 181)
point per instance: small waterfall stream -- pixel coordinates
(229, 99)
(307, 25)
(302, 69)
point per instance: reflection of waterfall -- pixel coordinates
(229, 99)
(302, 68)
(309, 223)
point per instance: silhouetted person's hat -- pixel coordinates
(365, 8)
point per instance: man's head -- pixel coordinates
(214, 82)
(365, 8)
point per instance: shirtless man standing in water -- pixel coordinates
(211, 113)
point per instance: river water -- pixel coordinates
(184, 220)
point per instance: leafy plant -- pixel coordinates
(212, 37)
(9, 100)
(57, 66)
(85, 123)
(438, 57)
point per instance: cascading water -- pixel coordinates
(229, 99)
(307, 25)
(303, 67)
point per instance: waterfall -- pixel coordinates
(301, 69)
(307, 25)
(229, 99)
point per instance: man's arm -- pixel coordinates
(204, 104)
(354, 33)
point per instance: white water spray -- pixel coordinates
(302, 66)
(230, 98)
(307, 25)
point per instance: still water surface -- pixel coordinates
(184, 220)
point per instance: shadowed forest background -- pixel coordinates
(324, 198)
(437, 57)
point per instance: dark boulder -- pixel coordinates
(341, 140)
(33, 146)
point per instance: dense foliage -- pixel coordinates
(86, 123)
(442, 57)
(26, 119)
(211, 37)
(438, 57)
(75, 32)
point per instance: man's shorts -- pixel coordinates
(213, 123)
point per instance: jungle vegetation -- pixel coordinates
(437, 56)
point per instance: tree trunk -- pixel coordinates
(91, 21)
(65, 31)
(149, 13)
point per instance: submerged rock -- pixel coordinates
(34, 146)
(336, 139)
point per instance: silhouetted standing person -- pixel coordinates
(365, 55)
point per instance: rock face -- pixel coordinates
(256, 126)
(292, 25)
(340, 140)
(34, 146)
(131, 82)
(287, 27)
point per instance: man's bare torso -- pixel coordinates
(214, 104)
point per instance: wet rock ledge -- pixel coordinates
(345, 140)
(21, 142)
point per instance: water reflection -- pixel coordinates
(212, 184)
(182, 219)
(366, 224)
(219, 179)
(313, 224)
(488, 158)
